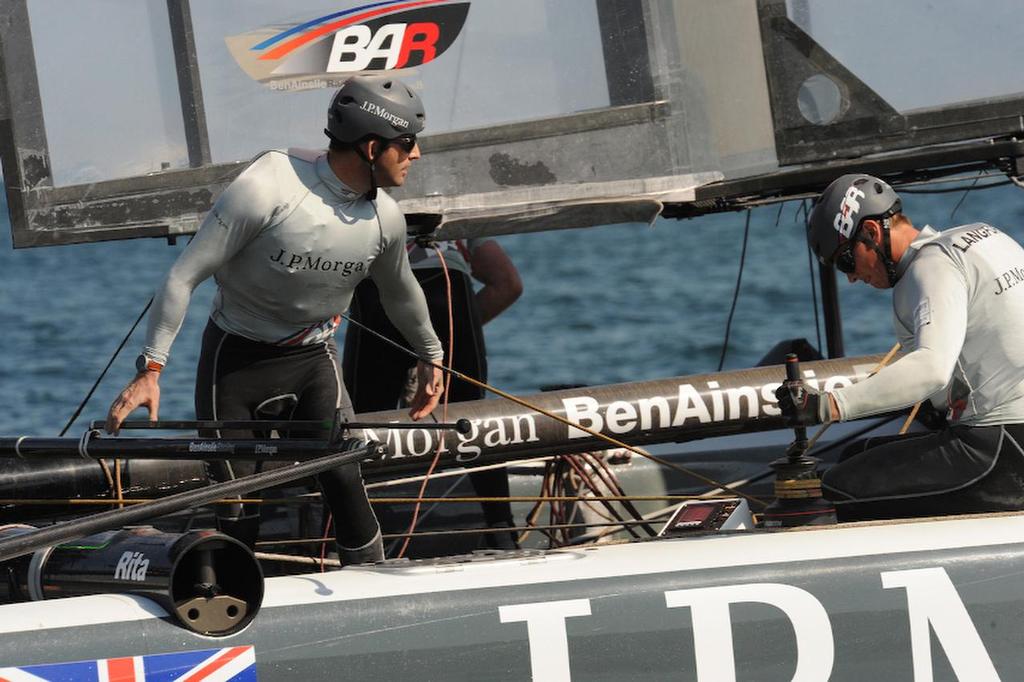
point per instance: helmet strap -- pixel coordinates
(371, 194)
(890, 266)
(884, 251)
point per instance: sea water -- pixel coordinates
(601, 305)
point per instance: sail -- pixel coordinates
(542, 114)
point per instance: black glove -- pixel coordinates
(801, 404)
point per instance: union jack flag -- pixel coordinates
(237, 664)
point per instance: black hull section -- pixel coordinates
(81, 479)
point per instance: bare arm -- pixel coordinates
(406, 307)
(237, 216)
(502, 286)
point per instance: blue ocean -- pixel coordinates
(601, 305)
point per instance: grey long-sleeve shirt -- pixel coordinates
(959, 312)
(287, 242)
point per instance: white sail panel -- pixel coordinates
(108, 88)
(919, 54)
(741, 102)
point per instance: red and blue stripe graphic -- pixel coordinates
(317, 28)
(232, 664)
(315, 333)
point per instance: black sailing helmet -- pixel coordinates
(845, 204)
(373, 105)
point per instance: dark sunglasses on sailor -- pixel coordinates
(404, 142)
(844, 259)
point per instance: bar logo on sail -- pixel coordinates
(322, 52)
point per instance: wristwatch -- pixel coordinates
(144, 364)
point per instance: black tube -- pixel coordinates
(60, 479)
(462, 426)
(793, 374)
(351, 451)
(95, 446)
(66, 479)
(830, 306)
(659, 411)
(209, 582)
(14, 574)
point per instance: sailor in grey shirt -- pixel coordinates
(959, 316)
(287, 242)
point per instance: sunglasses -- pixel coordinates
(404, 142)
(844, 260)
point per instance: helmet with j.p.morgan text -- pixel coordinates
(843, 206)
(374, 106)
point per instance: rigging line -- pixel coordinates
(590, 503)
(597, 463)
(435, 502)
(814, 285)
(579, 465)
(559, 477)
(106, 472)
(113, 357)
(910, 418)
(323, 544)
(960, 188)
(831, 445)
(551, 415)
(850, 437)
(454, 531)
(778, 216)
(27, 543)
(966, 192)
(545, 489)
(589, 483)
(563, 482)
(458, 472)
(796, 213)
(445, 498)
(881, 363)
(605, 475)
(488, 530)
(736, 293)
(593, 509)
(297, 559)
(591, 506)
(966, 176)
(447, 387)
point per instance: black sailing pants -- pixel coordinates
(956, 470)
(242, 379)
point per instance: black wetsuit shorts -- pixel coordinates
(238, 378)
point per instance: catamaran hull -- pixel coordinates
(897, 601)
